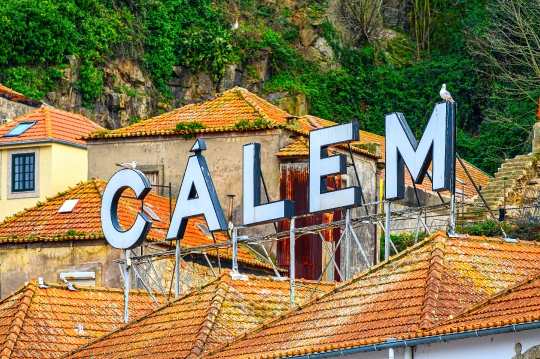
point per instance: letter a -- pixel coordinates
(197, 197)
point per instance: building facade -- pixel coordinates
(41, 154)
(233, 119)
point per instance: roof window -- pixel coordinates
(68, 206)
(20, 129)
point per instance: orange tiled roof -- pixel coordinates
(15, 96)
(517, 304)
(42, 323)
(51, 125)
(219, 114)
(44, 223)
(415, 290)
(201, 320)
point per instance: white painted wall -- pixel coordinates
(500, 346)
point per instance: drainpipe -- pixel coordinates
(391, 350)
(408, 353)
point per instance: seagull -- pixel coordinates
(445, 94)
(130, 165)
(70, 286)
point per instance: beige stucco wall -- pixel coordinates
(57, 167)
(21, 262)
(69, 167)
(170, 155)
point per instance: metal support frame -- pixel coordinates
(387, 238)
(348, 226)
(126, 278)
(484, 201)
(347, 244)
(177, 265)
(292, 242)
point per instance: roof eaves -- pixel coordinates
(17, 323)
(48, 140)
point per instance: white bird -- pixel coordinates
(131, 165)
(235, 25)
(445, 94)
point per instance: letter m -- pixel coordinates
(437, 145)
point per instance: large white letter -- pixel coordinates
(197, 197)
(321, 166)
(254, 211)
(437, 145)
(113, 232)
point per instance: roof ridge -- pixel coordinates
(129, 324)
(242, 93)
(299, 307)
(17, 323)
(211, 315)
(48, 122)
(433, 283)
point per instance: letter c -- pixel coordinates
(113, 232)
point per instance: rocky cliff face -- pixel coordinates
(130, 96)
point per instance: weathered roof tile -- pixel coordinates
(201, 320)
(42, 323)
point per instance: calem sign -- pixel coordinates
(198, 195)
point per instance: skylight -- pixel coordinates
(68, 206)
(151, 213)
(20, 129)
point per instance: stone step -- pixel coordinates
(516, 164)
(510, 175)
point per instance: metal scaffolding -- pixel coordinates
(428, 218)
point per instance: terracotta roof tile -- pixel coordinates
(41, 323)
(201, 320)
(43, 222)
(219, 114)
(517, 304)
(51, 124)
(15, 96)
(417, 289)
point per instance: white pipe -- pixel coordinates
(391, 353)
(408, 353)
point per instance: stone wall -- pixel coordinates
(21, 262)
(10, 109)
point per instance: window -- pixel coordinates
(23, 172)
(153, 177)
(20, 129)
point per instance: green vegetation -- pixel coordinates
(244, 125)
(370, 75)
(188, 127)
(401, 241)
(73, 232)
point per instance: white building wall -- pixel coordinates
(500, 346)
